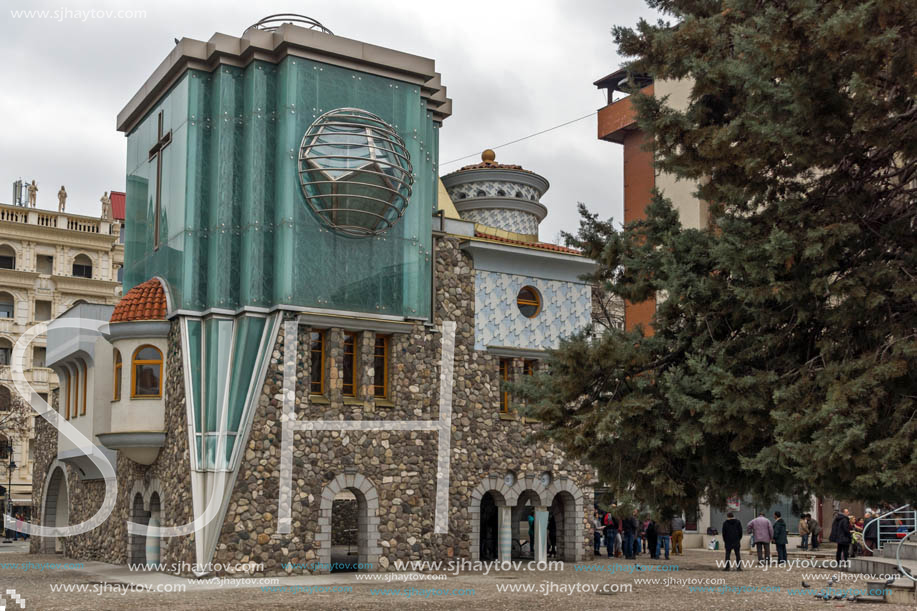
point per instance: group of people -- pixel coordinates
(847, 532)
(854, 536)
(763, 532)
(632, 535)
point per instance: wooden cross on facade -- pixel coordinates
(162, 141)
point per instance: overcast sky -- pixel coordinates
(511, 68)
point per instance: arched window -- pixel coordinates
(6, 399)
(81, 366)
(82, 266)
(480, 193)
(7, 257)
(501, 193)
(7, 305)
(146, 372)
(6, 351)
(117, 376)
(75, 395)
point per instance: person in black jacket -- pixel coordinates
(629, 532)
(870, 532)
(840, 534)
(651, 538)
(732, 539)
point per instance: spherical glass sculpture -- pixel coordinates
(355, 172)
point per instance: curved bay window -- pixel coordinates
(146, 373)
(317, 368)
(350, 365)
(380, 367)
(116, 381)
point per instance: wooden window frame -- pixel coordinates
(76, 394)
(505, 366)
(85, 384)
(385, 356)
(66, 403)
(135, 362)
(321, 367)
(527, 302)
(116, 384)
(353, 370)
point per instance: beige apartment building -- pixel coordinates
(49, 261)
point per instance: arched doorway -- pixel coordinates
(489, 528)
(153, 551)
(56, 510)
(345, 527)
(523, 545)
(358, 515)
(563, 512)
(136, 552)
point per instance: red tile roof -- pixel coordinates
(539, 245)
(117, 205)
(146, 301)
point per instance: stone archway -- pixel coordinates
(502, 496)
(367, 520)
(489, 527)
(153, 544)
(55, 508)
(136, 549)
(526, 504)
(567, 505)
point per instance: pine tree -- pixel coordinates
(784, 358)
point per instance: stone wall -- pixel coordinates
(392, 472)
(400, 465)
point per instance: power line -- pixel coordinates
(544, 131)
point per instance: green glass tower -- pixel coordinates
(284, 170)
(215, 204)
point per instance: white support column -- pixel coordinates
(541, 534)
(505, 536)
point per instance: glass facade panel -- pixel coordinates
(231, 194)
(245, 355)
(226, 356)
(218, 342)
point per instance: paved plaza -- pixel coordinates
(103, 586)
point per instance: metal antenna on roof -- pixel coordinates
(272, 22)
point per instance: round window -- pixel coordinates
(529, 301)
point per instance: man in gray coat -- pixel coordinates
(763, 531)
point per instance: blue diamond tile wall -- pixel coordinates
(566, 308)
(494, 188)
(509, 220)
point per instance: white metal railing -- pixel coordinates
(901, 568)
(891, 526)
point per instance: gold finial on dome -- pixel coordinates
(488, 156)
